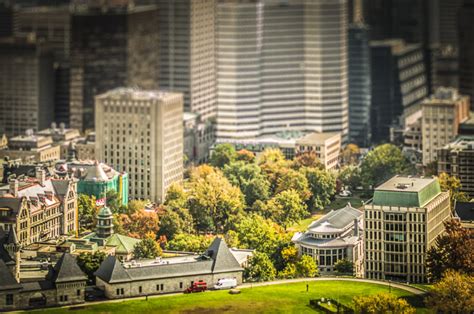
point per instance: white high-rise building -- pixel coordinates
(281, 65)
(141, 132)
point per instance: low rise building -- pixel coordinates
(457, 159)
(166, 275)
(464, 211)
(402, 223)
(31, 148)
(336, 236)
(61, 136)
(199, 136)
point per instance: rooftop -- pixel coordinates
(398, 46)
(406, 191)
(444, 96)
(463, 142)
(336, 220)
(464, 210)
(318, 138)
(137, 94)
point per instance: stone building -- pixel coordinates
(402, 223)
(64, 285)
(336, 236)
(167, 275)
(39, 209)
(31, 148)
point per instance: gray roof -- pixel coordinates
(12, 238)
(66, 270)
(336, 220)
(220, 260)
(61, 187)
(7, 280)
(14, 203)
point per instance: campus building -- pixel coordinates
(336, 236)
(402, 223)
(30, 148)
(141, 132)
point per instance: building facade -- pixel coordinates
(275, 72)
(466, 49)
(111, 46)
(457, 159)
(141, 132)
(32, 148)
(199, 136)
(26, 86)
(188, 53)
(402, 223)
(442, 114)
(338, 235)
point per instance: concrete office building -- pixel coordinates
(26, 86)
(111, 46)
(466, 50)
(187, 53)
(441, 116)
(457, 159)
(402, 223)
(281, 66)
(141, 132)
(399, 84)
(360, 131)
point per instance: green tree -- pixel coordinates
(294, 180)
(114, 202)
(350, 154)
(381, 303)
(453, 250)
(260, 268)
(382, 163)
(452, 185)
(307, 159)
(136, 206)
(175, 222)
(87, 211)
(232, 239)
(306, 267)
(287, 208)
(223, 155)
(289, 272)
(350, 176)
(245, 155)
(273, 163)
(344, 267)
(190, 242)
(453, 294)
(146, 248)
(176, 197)
(89, 263)
(322, 185)
(213, 201)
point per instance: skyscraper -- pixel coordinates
(187, 53)
(281, 65)
(141, 132)
(466, 50)
(111, 47)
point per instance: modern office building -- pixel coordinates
(457, 159)
(6, 19)
(402, 223)
(442, 114)
(188, 52)
(111, 46)
(399, 84)
(360, 131)
(338, 235)
(281, 65)
(466, 50)
(141, 133)
(26, 86)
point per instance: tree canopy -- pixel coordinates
(146, 248)
(260, 268)
(453, 185)
(223, 155)
(90, 262)
(382, 303)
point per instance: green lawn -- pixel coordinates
(285, 298)
(340, 202)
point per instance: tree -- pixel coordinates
(287, 208)
(453, 250)
(453, 294)
(114, 202)
(174, 222)
(176, 197)
(136, 206)
(223, 155)
(245, 155)
(307, 159)
(213, 201)
(87, 211)
(381, 303)
(289, 272)
(382, 163)
(350, 154)
(89, 263)
(259, 268)
(273, 163)
(350, 176)
(190, 242)
(344, 267)
(146, 248)
(306, 267)
(453, 185)
(431, 169)
(140, 224)
(322, 185)
(294, 180)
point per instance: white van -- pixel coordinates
(225, 283)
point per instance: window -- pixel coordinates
(121, 291)
(118, 291)
(65, 298)
(9, 299)
(140, 289)
(180, 285)
(162, 287)
(78, 292)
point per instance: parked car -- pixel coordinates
(198, 286)
(225, 283)
(345, 193)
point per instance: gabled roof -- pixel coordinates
(96, 173)
(111, 270)
(65, 270)
(7, 280)
(122, 244)
(336, 220)
(223, 259)
(61, 187)
(13, 203)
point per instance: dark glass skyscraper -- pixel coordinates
(466, 50)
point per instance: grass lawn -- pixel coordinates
(340, 202)
(284, 298)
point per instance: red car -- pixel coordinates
(199, 286)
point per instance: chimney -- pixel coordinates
(13, 187)
(40, 175)
(356, 227)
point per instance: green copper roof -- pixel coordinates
(406, 192)
(122, 244)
